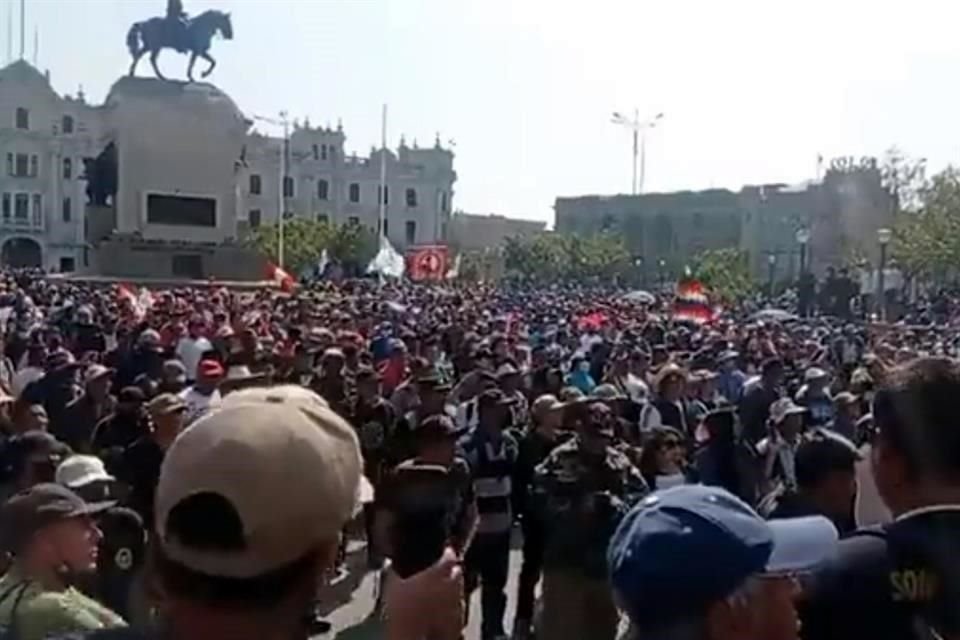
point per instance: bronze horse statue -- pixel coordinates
(194, 37)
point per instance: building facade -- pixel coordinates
(179, 164)
(841, 214)
(472, 232)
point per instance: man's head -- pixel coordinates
(209, 375)
(826, 472)
(250, 505)
(916, 449)
(97, 381)
(436, 439)
(31, 458)
(665, 573)
(596, 427)
(130, 401)
(50, 528)
(168, 413)
(786, 418)
(368, 383)
(772, 373)
(493, 408)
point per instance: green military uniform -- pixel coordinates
(35, 614)
(581, 498)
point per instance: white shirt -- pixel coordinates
(198, 403)
(190, 351)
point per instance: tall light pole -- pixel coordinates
(884, 236)
(803, 237)
(772, 263)
(639, 130)
(284, 122)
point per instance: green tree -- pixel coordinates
(724, 272)
(926, 241)
(304, 241)
(550, 256)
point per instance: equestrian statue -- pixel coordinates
(177, 31)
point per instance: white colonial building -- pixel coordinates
(179, 164)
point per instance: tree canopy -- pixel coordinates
(551, 256)
(352, 245)
(724, 272)
(926, 241)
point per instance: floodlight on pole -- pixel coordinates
(638, 129)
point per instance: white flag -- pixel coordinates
(387, 262)
(454, 271)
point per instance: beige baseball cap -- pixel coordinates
(288, 465)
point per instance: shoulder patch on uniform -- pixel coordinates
(123, 558)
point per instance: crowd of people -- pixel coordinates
(185, 462)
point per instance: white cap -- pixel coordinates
(77, 471)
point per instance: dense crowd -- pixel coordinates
(186, 461)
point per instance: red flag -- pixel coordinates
(283, 279)
(691, 303)
(427, 263)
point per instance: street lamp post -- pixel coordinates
(661, 268)
(639, 130)
(883, 237)
(803, 237)
(772, 263)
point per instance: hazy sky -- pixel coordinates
(752, 90)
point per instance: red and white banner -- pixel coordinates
(691, 303)
(427, 263)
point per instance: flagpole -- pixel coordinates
(9, 31)
(383, 173)
(23, 27)
(284, 150)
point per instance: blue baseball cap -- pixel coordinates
(682, 549)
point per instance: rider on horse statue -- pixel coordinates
(177, 24)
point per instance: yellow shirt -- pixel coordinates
(40, 613)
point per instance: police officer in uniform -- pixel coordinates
(901, 580)
(583, 488)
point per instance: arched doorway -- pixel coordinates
(21, 252)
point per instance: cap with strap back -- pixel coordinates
(285, 463)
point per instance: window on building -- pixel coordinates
(354, 192)
(410, 232)
(67, 169)
(34, 166)
(383, 194)
(287, 187)
(323, 152)
(66, 125)
(316, 152)
(67, 212)
(323, 190)
(254, 217)
(323, 218)
(23, 118)
(386, 227)
(255, 185)
(37, 209)
(354, 220)
(67, 265)
(21, 207)
(7, 207)
(411, 197)
(22, 167)
(11, 167)
(443, 202)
